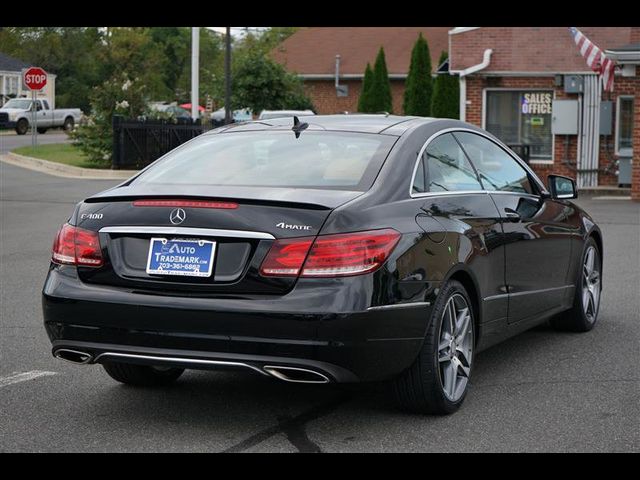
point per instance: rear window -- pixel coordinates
(325, 160)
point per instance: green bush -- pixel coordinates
(120, 95)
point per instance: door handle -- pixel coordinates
(511, 214)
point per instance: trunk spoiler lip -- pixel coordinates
(309, 199)
(240, 201)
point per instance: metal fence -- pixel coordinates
(138, 142)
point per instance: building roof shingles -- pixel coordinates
(530, 49)
(10, 64)
(313, 50)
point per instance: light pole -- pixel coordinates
(227, 77)
(195, 71)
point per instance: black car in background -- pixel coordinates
(342, 248)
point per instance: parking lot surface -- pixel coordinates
(540, 391)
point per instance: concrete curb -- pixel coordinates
(62, 170)
(609, 191)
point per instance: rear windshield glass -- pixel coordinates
(326, 160)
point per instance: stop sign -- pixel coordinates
(35, 78)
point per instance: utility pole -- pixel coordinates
(227, 78)
(195, 71)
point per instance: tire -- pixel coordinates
(22, 126)
(422, 388)
(42, 130)
(142, 375)
(68, 124)
(583, 314)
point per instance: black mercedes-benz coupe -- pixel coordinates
(342, 248)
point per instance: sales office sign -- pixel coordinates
(536, 103)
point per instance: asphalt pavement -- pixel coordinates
(540, 391)
(10, 140)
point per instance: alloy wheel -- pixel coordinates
(455, 347)
(591, 284)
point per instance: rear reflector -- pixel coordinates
(184, 203)
(77, 246)
(330, 255)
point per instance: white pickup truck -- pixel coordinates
(16, 113)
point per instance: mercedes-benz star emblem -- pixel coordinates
(177, 216)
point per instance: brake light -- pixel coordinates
(185, 203)
(77, 246)
(331, 255)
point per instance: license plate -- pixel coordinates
(192, 258)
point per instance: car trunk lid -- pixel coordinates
(242, 235)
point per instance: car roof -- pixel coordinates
(364, 123)
(285, 111)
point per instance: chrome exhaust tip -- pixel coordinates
(73, 356)
(295, 374)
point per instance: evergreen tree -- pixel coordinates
(446, 94)
(364, 101)
(380, 93)
(418, 87)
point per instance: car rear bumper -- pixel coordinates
(327, 326)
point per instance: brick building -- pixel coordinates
(311, 53)
(530, 86)
(527, 85)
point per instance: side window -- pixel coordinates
(497, 169)
(38, 105)
(418, 181)
(447, 166)
(46, 104)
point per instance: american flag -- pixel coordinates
(596, 59)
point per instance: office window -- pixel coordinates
(522, 117)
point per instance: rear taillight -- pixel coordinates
(330, 255)
(285, 258)
(77, 246)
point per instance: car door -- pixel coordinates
(462, 223)
(41, 115)
(48, 114)
(536, 233)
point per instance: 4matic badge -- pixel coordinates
(289, 226)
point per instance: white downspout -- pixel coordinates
(463, 98)
(486, 59)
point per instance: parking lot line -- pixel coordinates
(23, 377)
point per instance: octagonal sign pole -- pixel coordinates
(35, 79)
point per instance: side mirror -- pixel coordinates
(562, 188)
